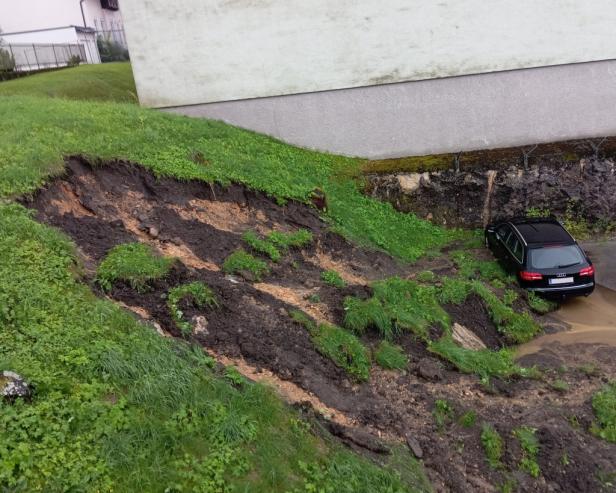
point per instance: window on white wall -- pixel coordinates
(110, 4)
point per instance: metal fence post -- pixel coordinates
(53, 47)
(35, 57)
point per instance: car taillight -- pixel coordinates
(588, 271)
(530, 276)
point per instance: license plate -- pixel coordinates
(561, 280)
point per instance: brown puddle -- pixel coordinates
(592, 320)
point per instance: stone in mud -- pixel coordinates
(414, 445)
(12, 386)
(430, 369)
(466, 338)
(354, 437)
(199, 323)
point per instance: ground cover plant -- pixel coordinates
(492, 445)
(530, 450)
(135, 263)
(332, 278)
(242, 262)
(390, 356)
(604, 406)
(197, 293)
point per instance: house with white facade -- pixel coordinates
(53, 26)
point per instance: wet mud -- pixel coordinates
(201, 224)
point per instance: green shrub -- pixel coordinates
(261, 246)
(604, 406)
(7, 61)
(530, 450)
(344, 349)
(110, 51)
(332, 278)
(397, 305)
(135, 263)
(391, 357)
(241, 262)
(492, 445)
(198, 293)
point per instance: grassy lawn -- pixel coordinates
(116, 407)
(113, 82)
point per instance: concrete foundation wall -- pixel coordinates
(443, 115)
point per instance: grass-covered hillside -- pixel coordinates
(114, 82)
(115, 406)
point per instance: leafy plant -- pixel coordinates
(604, 406)
(540, 305)
(509, 297)
(198, 293)
(426, 276)
(468, 419)
(135, 263)
(391, 357)
(332, 278)
(492, 445)
(297, 239)
(537, 212)
(530, 450)
(241, 262)
(560, 385)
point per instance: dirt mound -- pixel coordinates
(201, 224)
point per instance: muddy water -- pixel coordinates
(592, 320)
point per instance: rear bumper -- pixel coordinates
(576, 290)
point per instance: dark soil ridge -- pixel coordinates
(580, 191)
(101, 206)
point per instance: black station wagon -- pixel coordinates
(544, 256)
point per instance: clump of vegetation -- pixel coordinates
(469, 267)
(454, 290)
(604, 406)
(484, 363)
(397, 305)
(492, 445)
(135, 263)
(530, 450)
(560, 385)
(262, 246)
(332, 278)
(538, 212)
(468, 419)
(297, 239)
(443, 413)
(426, 276)
(391, 357)
(509, 297)
(241, 262)
(342, 347)
(198, 293)
(539, 304)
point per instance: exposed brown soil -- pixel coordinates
(100, 207)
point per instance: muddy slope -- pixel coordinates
(102, 206)
(472, 198)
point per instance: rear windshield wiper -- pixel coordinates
(567, 265)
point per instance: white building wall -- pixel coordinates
(198, 51)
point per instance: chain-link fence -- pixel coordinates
(22, 57)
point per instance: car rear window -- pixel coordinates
(555, 257)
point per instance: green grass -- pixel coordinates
(397, 305)
(492, 445)
(261, 246)
(540, 305)
(342, 347)
(390, 356)
(604, 406)
(241, 262)
(135, 263)
(198, 293)
(332, 278)
(484, 363)
(297, 239)
(530, 449)
(443, 413)
(468, 419)
(117, 407)
(108, 82)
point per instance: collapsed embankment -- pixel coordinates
(580, 191)
(436, 409)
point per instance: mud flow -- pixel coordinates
(100, 207)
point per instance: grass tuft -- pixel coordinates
(135, 263)
(332, 278)
(492, 445)
(262, 246)
(297, 239)
(241, 262)
(540, 305)
(604, 406)
(198, 293)
(530, 450)
(391, 357)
